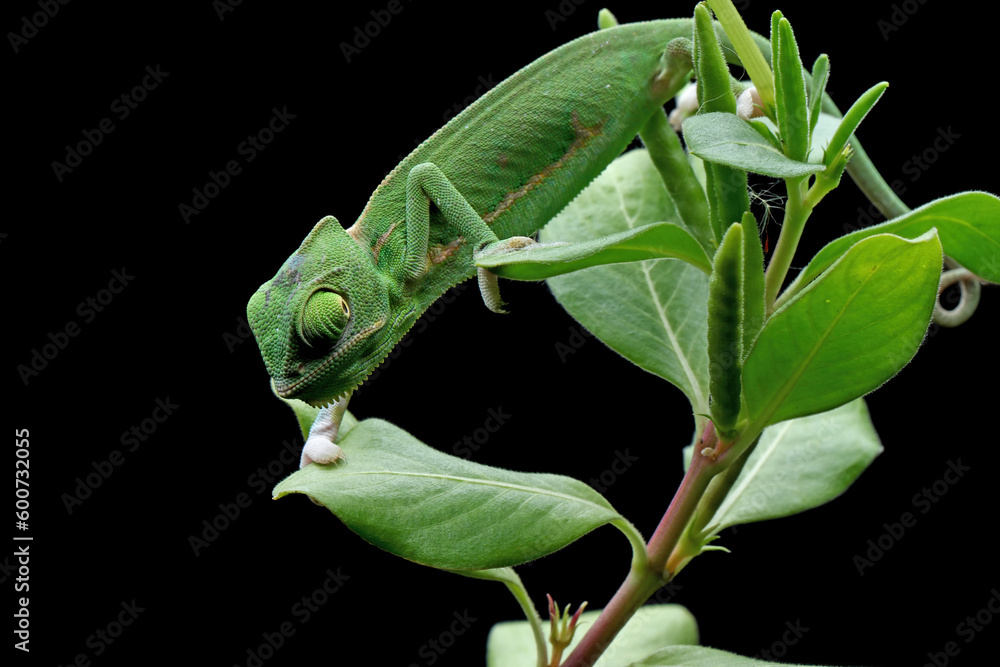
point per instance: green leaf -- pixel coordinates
(653, 312)
(968, 224)
(711, 71)
(443, 511)
(726, 139)
(790, 94)
(817, 86)
(725, 330)
(702, 656)
(847, 333)
(510, 644)
(800, 464)
(726, 187)
(655, 241)
(852, 119)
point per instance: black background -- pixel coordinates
(174, 332)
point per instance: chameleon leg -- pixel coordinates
(320, 446)
(426, 183)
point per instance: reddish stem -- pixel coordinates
(646, 578)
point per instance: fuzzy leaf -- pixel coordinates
(968, 224)
(653, 312)
(800, 464)
(726, 139)
(443, 511)
(790, 95)
(852, 119)
(847, 333)
(655, 241)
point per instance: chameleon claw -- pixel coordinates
(490, 290)
(488, 286)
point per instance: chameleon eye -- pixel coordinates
(324, 317)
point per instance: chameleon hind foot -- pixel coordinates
(488, 286)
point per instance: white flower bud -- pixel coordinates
(749, 105)
(687, 104)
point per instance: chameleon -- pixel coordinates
(493, 175)
(500, 169)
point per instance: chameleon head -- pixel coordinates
(320, 322)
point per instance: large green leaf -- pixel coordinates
(800, 464)
(968, 224)
(702, 656)
(444, 511)
(726, 139)
(656, 241)
(653, 312)
(846, 333)
(510, 644)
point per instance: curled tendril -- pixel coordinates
(969, 288)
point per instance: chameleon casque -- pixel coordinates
(500, 169)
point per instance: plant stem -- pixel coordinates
(796, 213)
(645, 578)
(534, 620)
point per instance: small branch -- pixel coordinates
(645, 578)
(796, 213)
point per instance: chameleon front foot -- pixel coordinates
(488, 286)
(320, 450)
(321, 444)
